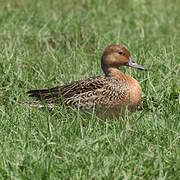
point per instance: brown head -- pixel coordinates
(115, 56)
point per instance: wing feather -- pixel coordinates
(86, 94)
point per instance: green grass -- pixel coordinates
(45, 43)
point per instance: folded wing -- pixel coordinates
(85, 94)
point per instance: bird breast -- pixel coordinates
(135, 94)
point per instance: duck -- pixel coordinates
(107, 95)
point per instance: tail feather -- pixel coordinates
(44, 93)
(45, 97)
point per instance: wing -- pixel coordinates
(111, 93)
(103, 91)
(67, 91)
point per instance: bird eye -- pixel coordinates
(120, 53)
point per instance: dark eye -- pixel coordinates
(120, 53)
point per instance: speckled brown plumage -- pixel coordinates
(109, 93)
(87, 93)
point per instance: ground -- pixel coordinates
(46, 43)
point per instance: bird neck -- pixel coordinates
(115, 72)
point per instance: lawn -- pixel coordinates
(47, 43)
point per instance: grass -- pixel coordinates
(45, 43)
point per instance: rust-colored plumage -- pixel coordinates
(107, 94)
